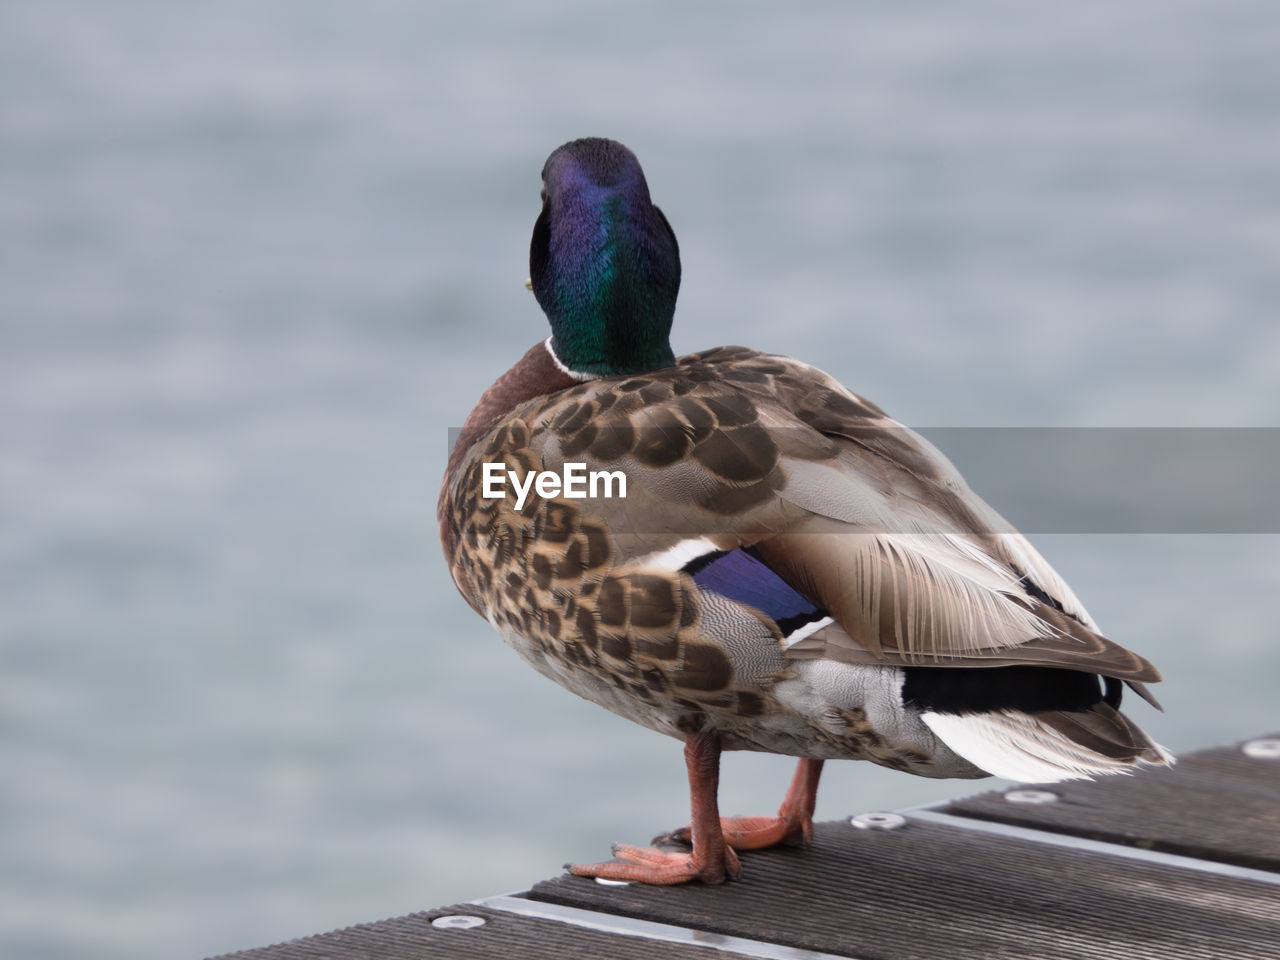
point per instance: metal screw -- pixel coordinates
(878, 821)
(1031, 796)
(606, 882)
(1267, 748)
(457, 921)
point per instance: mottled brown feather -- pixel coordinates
(740, 448)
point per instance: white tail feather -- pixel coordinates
(1017, 746)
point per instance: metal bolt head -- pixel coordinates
(457, 921)
(1031, 796)
(1265, 748)
(878, 820)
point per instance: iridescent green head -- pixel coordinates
(604, 262)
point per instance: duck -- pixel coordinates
(733, 549)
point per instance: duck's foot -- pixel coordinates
(752, 833)
(711, 860)
(662, 867)
(792, 825)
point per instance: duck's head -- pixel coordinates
(604, 262)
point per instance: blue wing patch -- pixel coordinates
(741, 576)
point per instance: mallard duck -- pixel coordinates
(733, 549)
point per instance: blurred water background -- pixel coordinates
(257, 258)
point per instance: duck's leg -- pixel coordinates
(793, 824)
(711, 858)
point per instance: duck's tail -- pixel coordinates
(1051, 746)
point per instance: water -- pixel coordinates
(259, 257)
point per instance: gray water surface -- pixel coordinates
(257, 258)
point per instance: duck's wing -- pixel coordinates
(935, 600)
(734, 449)
(914, 567)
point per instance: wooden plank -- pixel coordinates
(986, 879)
(1221, 805)
(929, 891)
(503, 936)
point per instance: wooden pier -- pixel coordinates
(1167, 864)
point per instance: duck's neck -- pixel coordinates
(611, 337)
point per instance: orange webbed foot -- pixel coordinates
(753, 833)
(663, 867)
(712, 858)
(792, 825)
